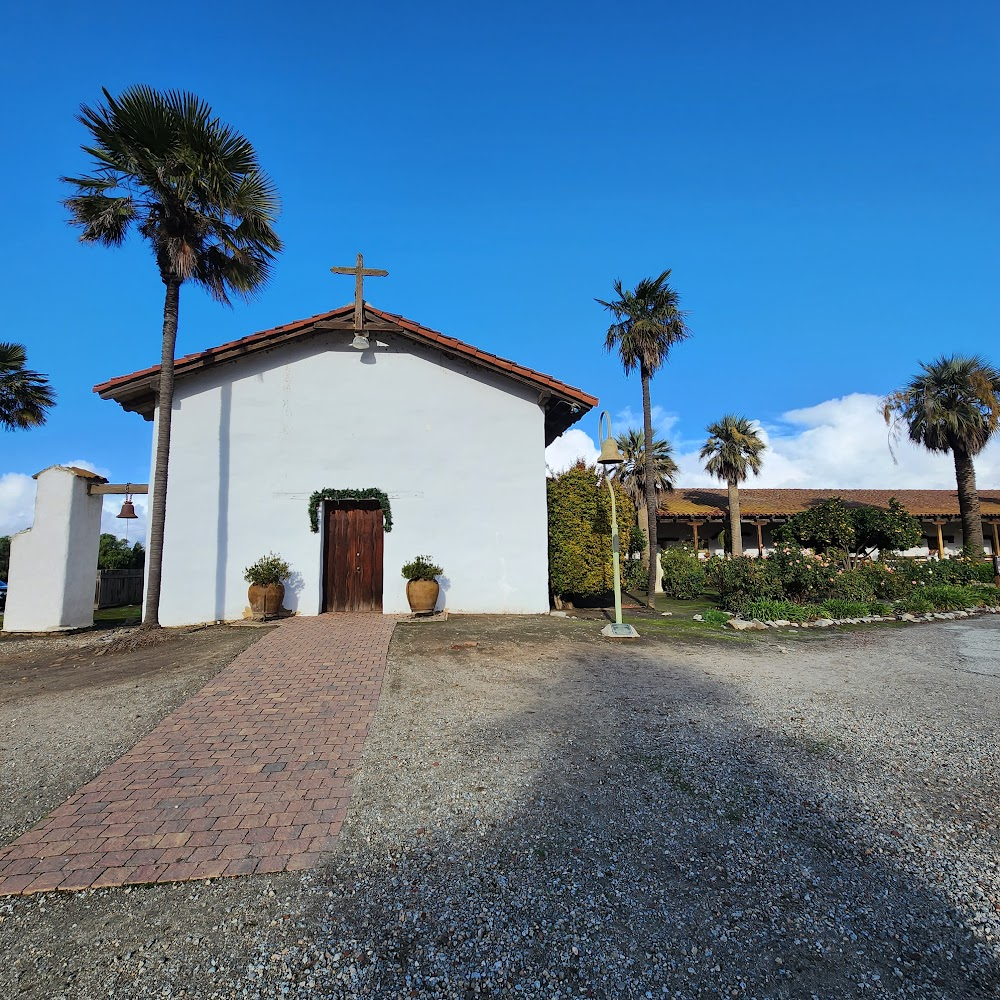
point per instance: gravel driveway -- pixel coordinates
(542, 814)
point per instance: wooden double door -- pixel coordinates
(352, 556)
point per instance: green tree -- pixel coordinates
(113, 552)
(4, 557)
(24, 395)
(732, 452)
(857, 530)
(116, 553)
(579, 508)
(190, 185)
(891, 530)
(648, 322)
(632, 474)
(827, 525)
(952, 406)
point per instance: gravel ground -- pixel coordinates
(542, 814)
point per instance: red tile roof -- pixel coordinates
(564, 404)
(695, 503)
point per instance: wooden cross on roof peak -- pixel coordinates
(360, 272)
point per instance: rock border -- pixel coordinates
(743, 625)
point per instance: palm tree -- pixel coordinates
(954, 405)
(648, 322)
(24, 395)
(192, 187)
(732, 452)
(632, 473)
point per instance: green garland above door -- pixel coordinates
(371, 493)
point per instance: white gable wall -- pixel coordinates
(459, 451)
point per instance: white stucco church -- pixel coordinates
(454, 436)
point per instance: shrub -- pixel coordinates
(421, 568)
(683, 573)
(742, 579)
(714, 617)
(853, 585)
(579, 510)
(802, 576)
(986, 595)
(635, 574)
(772, 611)
(958, 571)
(836, 607)
(267, 570)
(941, 597)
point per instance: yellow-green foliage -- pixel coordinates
(580, 532)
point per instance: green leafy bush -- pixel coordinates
(853, 585)
(714, 617)
(948, 597)
(579, 509)
(266, 570)
(957, 571)
(683, 574)
(421, 568)
(742, 579)
(836, 607)
(779, 610)
(801, 576)
(635, 574)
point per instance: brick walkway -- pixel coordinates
(251, 775)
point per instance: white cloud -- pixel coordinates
(17, 505)
(17, 502)
(568, 448)
(844, 444)
(83, 463)
(113, 525)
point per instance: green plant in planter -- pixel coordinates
(268, 569)
(421, 568)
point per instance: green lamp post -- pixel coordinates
(610, 456)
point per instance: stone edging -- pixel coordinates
(742, 625)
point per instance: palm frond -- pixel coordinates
(953, 404)
(734, 449)
(192, 187)
(648, 322)
(25, 395)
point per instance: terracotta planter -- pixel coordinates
(422, 595)
(266, 600)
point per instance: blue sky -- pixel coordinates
(820, 177)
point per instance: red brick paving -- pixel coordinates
(253, 774)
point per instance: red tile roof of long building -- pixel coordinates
(763, 503)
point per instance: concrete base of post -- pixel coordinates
(614, 631)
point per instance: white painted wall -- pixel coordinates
(53, 565)
(459, 451)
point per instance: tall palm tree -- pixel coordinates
(632, 473)
(731, 453)
(24, 395)
(191, 186)
(648, 322)
(953, 406)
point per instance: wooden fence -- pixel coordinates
(116, 587)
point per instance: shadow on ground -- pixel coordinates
(567, 818)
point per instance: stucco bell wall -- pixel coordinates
(459, 451)
(53, 564)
